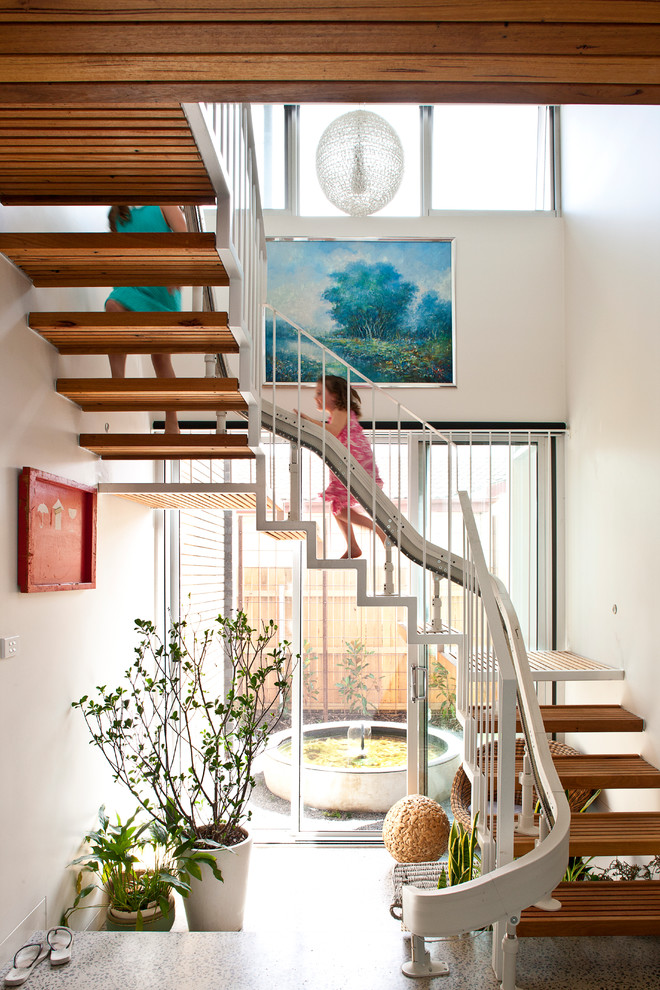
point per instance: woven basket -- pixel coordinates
(461, 791)
(424, 875)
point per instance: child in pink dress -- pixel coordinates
(335, 403)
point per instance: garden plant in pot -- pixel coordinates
(139, 898)
(182, 733)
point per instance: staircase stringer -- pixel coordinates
(223, 134)
(315, 562)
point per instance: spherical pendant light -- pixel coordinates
(359, 162)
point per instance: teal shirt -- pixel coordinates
(144, 299)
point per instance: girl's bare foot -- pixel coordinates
(355, 552)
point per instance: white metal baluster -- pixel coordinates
(490, 500)
(450, 517)
(373, 486)
(326, 521)
(548, 561)
(425, 535)
(348, 465)
(399, 500)
(299, 429)
(274, 394)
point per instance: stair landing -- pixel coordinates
(563, 665)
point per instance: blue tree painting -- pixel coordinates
(384, 307)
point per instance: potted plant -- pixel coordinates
(463, 862)
(139, 898)
(184, 744)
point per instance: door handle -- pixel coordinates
(419, 680)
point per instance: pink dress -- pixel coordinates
(336, 493)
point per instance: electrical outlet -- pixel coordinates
(8, 647)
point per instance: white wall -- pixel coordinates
(611, 193)
(509, 311)
(52, 782)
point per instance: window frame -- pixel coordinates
(548, 171)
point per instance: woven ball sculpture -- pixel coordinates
(416, 830)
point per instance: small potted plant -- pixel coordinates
(463, 861)
(182, 733)
(139, 898)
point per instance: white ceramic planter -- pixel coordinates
(360, 789)
(152, 919)
(212, 906)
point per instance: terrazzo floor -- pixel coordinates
(317, 917)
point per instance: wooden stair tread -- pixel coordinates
(71, 259)
(599, 907)
(101, 153)
(129, 446)
(605, 770)
(586, 770)
(582, 718)
(136, 333)
(146, 394)
(590, 718)
(607, 834)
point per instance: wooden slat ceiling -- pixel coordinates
(566, 51)
(77, 154)
(116, 259)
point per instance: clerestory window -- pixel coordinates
(457, 158)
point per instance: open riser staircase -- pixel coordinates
(494, 667)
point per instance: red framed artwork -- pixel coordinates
(56, 533)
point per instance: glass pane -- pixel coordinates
(501, 480)
(264, 587)
(354, 707)
(484, 157)
(314, 118)
(445, 733)
(269, 138)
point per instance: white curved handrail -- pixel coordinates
(351, 473)
(501, 894)
(507, 886)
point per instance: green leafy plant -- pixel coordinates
(444, 709)
(463, 862)
(358, 681)
(618, 869)
(113, 859)
(579, 868)
(182, 746)
(310, 680)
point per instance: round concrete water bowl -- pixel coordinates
(358, 788)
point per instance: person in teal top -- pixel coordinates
(148, 298)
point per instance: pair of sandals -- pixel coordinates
(58, 946)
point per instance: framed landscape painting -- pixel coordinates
(385, 307)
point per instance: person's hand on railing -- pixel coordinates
(310, 419)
